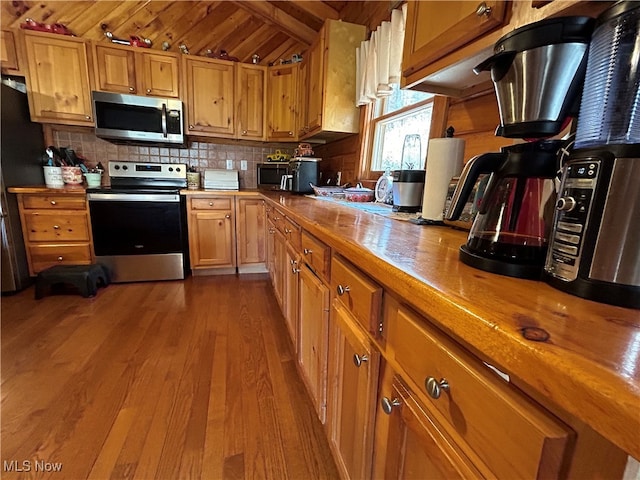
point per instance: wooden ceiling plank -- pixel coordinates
(49, 12)
(318, 9)
(136, 23)
(233, 40)
(253, 42)
(290, 25)
(88, 24)
(115, 17)
(197, 37)
(223, 29)
(280, 52)
(11, 12)
(179, 21)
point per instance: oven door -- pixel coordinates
(139, 236)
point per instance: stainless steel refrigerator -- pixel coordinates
(22, 146)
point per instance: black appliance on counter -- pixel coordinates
(304, 171)
(139, 223)
(594, 250)
(269, 174)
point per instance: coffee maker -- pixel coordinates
(537, 71)
(595, 245)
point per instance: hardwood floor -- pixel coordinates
(167, 380)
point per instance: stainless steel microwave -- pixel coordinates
(269, 174)
(135, 118)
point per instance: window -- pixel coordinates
(401, 120)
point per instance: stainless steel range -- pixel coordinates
(139, 222)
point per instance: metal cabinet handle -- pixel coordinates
(53, 202)
(387, 405)
(483, 9)
(272, 231)
(211, 204)
(60, 258)
(227, 216)
(56, 227)
(148, 90)
(87, 117)
(307, 251)
(295, 270)
(434, 387)
(191, 127)
(131, 89)
(342, 290)
(359, 359)
(244, 132)
(290, 134)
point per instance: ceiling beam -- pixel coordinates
(317, 8)
(273, 15)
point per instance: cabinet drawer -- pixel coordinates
(513, 436)
(317, 255)
(64, 202)
(217, 203)
(293, 233)
(45, 256)
(359, 294)
(56, 226)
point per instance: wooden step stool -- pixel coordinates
(84, 277)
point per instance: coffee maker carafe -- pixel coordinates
(509, 234)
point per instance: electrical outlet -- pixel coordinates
(243, 164)
(229, 164)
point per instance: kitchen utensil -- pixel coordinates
(610, 106)
(510, 232)
(358, 194)
(538, 71)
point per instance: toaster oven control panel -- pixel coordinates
(572, 216)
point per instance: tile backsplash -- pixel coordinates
(200, 155)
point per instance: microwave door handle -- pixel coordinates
(164, 120)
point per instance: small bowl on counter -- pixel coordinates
(329, 191)
(359, 194)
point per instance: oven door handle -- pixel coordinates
(133, 197)
(164, 120)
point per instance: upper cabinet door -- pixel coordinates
(282, 87)
(250, 97)
(210, 97)
(59, 86)
(435, 30)
(159, 75)
(9, 53)
(115, 69)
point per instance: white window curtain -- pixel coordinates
(379, 59)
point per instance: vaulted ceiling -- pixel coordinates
(274, 30)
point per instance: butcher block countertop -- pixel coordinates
(582, 356)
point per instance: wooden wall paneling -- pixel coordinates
(207, 32)
(253, 43)
(176, 21)
(369, 13)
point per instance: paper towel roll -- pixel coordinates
(444, 161)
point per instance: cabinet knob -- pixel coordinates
(342, 290)
(53, 202)
(244, 132)
(148, 90)
(272, 231)
(359, 359)
(56, 227)
(211, 204)
(131, 89)
(191, 127)
(295, 270)
(60, 259)
(87, 117)
(227, 216)
(483, 9)
(434, 387)
(307, 251)
(286, 230)
(387, 405)
(291, 134)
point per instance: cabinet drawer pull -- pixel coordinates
(272, 231)
(342, 290)
(307, 251)
(244, 132)
(53, 202)
(295, 270)
(211, 204)
(359, 359)
(60, 258)
(290, 134)
(227, 216)
(483, 9)
(148, 90)
(131, 89)
(87, 117)
(387, 405)
(286, 230)
(435, 388)
(56, 227)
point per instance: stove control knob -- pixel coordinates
(566, 204)
(124, 167)
(117, 167)
(177, 169)
(171, 169)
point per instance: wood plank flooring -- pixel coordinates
(190, 379)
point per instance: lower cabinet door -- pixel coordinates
(353, 379)
(313, 337)
(415, 447)
(212, 239)
(291, 288)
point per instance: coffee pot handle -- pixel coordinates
(485, 163)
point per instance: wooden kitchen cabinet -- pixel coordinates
(59, 81)
(56, 230)
(250, 234)
(136, 71)
(352, 391)
(313, 337)
(212, 237)
(433, 32)
(251, 89)
(10, 60)
(282, 102)
(330, 107)
(210, 97)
